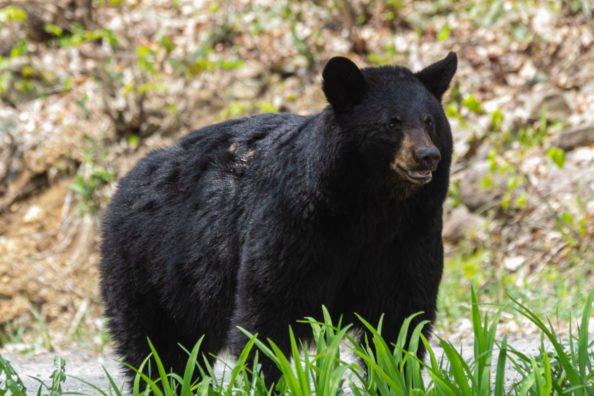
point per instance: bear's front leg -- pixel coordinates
(268, 301)
(269, 319)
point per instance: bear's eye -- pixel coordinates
(395, 122)
(428, 120)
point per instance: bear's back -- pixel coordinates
(179, 207)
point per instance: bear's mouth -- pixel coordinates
(417, 176)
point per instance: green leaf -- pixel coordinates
(267, 107)
(458, 367)
(110, 37)
(506, 200)
(172, 108)
(487, 181)
(58, 376)
(231, 64)
(500, 373)
(12, 13)
(497, 118)
(512, 183)
(167, 43)
(54, 29)
(473, 104)
(452, 110)
(444, 32)
(557, 155)
(186, 383)
(585, 351)
(493, 164)
(79, 188)
(521, 201)
(161, 369)
(375, 59)
(133, 140)
(567, 218)
(20, 49)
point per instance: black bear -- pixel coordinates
(260, 221)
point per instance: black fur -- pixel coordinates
(257, 222)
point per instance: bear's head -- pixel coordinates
(393, 117)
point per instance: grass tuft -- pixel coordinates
(561, 367)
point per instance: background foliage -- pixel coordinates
(90, 86)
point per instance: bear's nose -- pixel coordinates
(427, 156)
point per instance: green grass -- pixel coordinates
(554, 290)
(561, 366)
(11, 383)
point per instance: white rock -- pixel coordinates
(513, 263)
(34, 213)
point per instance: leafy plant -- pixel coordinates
(90, 179)
(557, 155)
(10, 382)
(569, 370)
(473, 104)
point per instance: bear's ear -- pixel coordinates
(344, 84)
(437, 77)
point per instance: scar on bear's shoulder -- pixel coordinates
(241, 156)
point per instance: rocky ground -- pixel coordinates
(87, 91)
(81, 364)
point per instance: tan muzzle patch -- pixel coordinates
(405, 163)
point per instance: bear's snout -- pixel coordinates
(416, 158)
(427, 157)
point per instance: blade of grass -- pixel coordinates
(331, 368)
(301, 375)
(284, 365)
(141, 376)
(58, 376)
(160, 369)
(93, 386)
(112, 383)
(240, 365)
(443, 384)
(186, 383)
(564, 359)
(375, 369)
(484, 330)
(548, 380)
(458, 367)
(386, 363)
(411, 363)
(500, 373)
(260, 345)
(584, 363)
